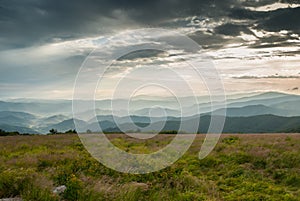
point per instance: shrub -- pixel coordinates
(230, 140)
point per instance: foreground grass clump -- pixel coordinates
(241, 167)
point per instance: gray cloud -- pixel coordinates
(276, 20)
(287, 19)
(28, 22)
(232, 29)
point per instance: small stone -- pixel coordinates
(59, 189)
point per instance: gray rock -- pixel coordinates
(59, 189)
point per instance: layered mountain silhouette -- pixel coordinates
(248, 113)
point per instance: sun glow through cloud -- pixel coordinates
(244, 40)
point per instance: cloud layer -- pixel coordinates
(43, 43)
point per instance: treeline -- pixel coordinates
(54, 131)
(51, 132)
(5, 133)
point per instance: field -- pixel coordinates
(241, 167)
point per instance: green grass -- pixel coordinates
(241, 167)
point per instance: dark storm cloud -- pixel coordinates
(37, 21)
(276, 20)
(27, 22)
(232, 29)
(287, 19)
(30, 22)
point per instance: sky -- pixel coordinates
(253, 44)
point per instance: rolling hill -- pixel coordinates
(266, 112)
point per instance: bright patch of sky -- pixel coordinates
(254, 46)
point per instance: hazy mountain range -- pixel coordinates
(248, 113)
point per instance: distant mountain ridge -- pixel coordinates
(253, 110)
(39, 117)
(252, 124)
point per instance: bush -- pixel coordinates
(230, 140)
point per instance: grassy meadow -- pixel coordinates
(241, 167)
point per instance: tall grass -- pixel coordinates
(241, 167)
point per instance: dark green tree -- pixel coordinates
(53, 131)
